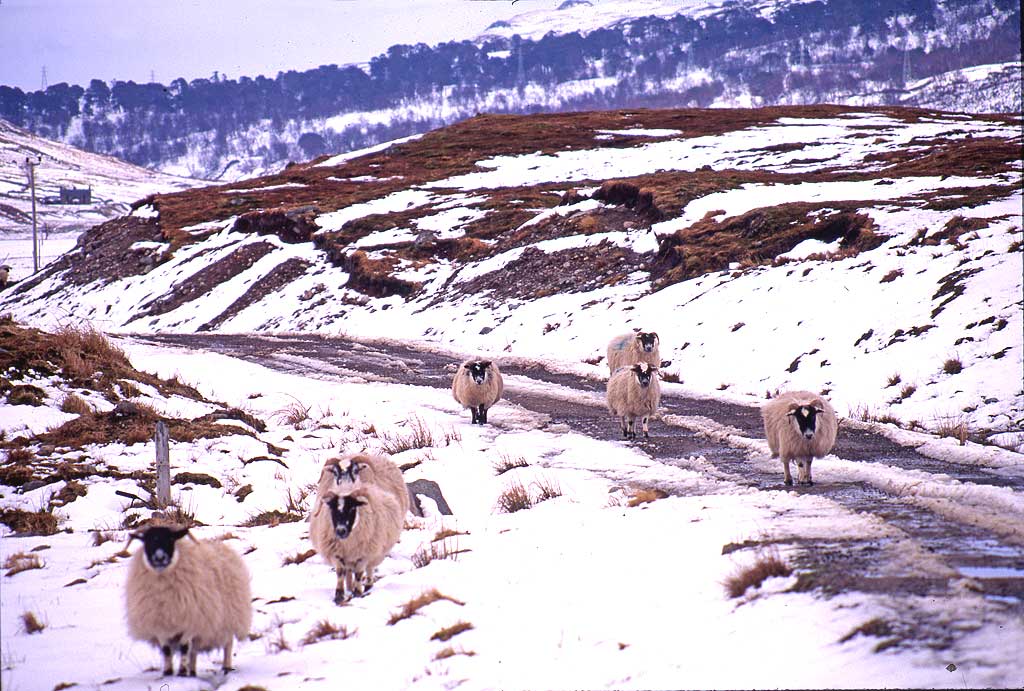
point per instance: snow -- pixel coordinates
(580, 591)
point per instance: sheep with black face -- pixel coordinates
(631, 348)
(357, 518)
(186, 595)
(634, 393)
(800, 426)
(478, 386)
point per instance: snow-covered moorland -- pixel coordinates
(599, 586)
(876, 255)
(873, 254)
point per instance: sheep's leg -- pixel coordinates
(183, 666)
(193, 653)
(228, 649)
(369, 576)
(483, 414)
(625, 429)
(168, 653)
(646, 431)
(785, 468)
(340, 595)
(804, 474)
(472, 411)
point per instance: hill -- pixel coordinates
(113, 185)
(580, 56)
(871, 253)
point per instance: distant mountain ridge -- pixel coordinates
(733, 54)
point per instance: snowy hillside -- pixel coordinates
(114, 186)
(573, 56)
(614, 572)
(873, 254)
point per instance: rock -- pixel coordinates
(427, 488)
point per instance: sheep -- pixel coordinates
(347, 471)
(801, 426)
(634, 392)
(5, 274)
(354, 525)
(186, 593)
(477, 385)
(629, 349)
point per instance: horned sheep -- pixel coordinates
(187, 595)
(631, 348)
(634, 393)
(358, 517)
(478, 386)
(800, 426)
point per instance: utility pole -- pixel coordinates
(30, 165)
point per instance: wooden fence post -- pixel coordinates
(163, 464)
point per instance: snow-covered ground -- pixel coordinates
(876, 330)
(580, 591)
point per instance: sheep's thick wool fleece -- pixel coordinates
(205, 593)
(627, 397)
(784, 439)
(380, 471)
(624, 351)
(376, 531)
(469, 394)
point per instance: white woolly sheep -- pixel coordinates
(345, 472)
(629, 349)
(188, 594)
(800, 426)
(634, 392)
(354, 525)
(477, 385)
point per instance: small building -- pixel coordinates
(74, 195)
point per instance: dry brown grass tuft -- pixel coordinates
(20, 561)
(907, 391)
(326, 630)
(953, 365)
(954, 426)
(75, 405)
(100, 537)
(514, 498)
(272, 519)
(29, 522)
(768, 564)
(448, 652)
(450, 632)
(506, 463)
(645, 496)
(299, 557)
(419, 436)
(547, 488)
(31, 623)
(894, 379)
(437, 549)
(419, 602)
(294, 414)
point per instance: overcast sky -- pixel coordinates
(79, 40)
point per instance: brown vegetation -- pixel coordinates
(419, 602)
(767, 565)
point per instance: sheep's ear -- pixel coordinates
(791, 413)
(485, 363)
(137, 535)
(655, 334)
(818, 410)
(666, 363)
(178, 534)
